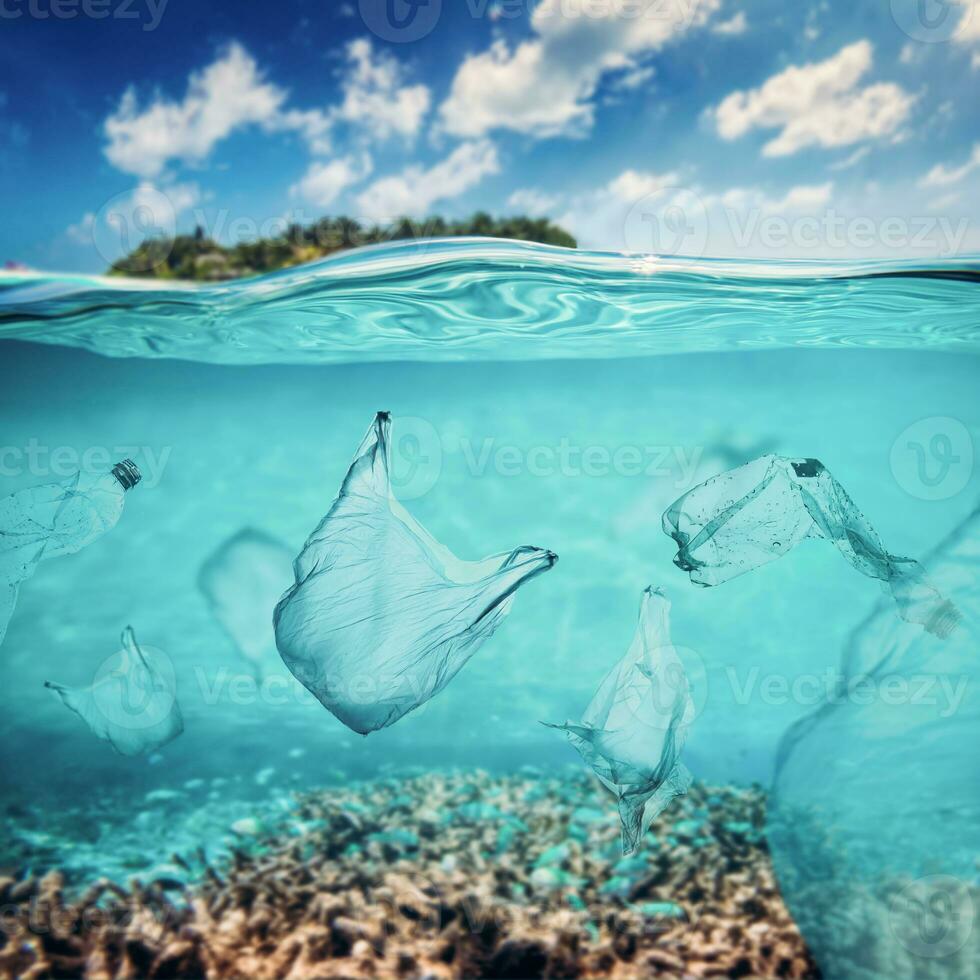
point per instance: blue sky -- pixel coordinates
(829, 129)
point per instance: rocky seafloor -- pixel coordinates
(438, 876)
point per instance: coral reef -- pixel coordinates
(439, 876)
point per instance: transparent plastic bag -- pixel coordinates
(873, 818)
(634, 728)
(242, 580)
(744, 518)
(381, 616)
(132, 703)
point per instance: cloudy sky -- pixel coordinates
(828, 129)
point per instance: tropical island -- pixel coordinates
(199, 257)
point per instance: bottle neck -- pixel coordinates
(127, 474)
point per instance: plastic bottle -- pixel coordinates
(55, 519)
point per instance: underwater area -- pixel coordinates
(540, 403)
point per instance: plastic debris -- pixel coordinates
(744, 518)
(635, 726)
(242, 580)
(874, 811)
(382, 616)
(56, 519)
(132, 703)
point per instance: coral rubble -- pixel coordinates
(439, 876)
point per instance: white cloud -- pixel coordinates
(82, 231)
(968, 28)
(818, 104)
(313, 125)
(232, 93)
(227, 95)
(944, 202)
(942, 176)
(601, 218)
(179, 197)
(415, 189)
(910, 54)
(532, 201)
(734, 25)
(376, 97)
(635, 78)
(641, 211)
(124, 221)
(631, 185)
(544, 85)
(323, 182)
(802, 199)
(851, 159)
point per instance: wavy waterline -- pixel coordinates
(485, 299)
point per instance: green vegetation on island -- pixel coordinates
(199, 257)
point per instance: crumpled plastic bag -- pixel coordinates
(132, 703)
(381, 616)
(873, 817)
(56, 519)
(756, 513)
(635, 726)
(242, 580)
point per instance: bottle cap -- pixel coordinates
(127, 473)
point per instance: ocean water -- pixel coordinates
(538, 397)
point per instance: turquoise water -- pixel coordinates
(553, 398)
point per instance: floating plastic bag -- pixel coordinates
(132, 703)
(874, 814)
(635, 726)
(56, 519)
(382, 616)
(742, 519)
(242, 580)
